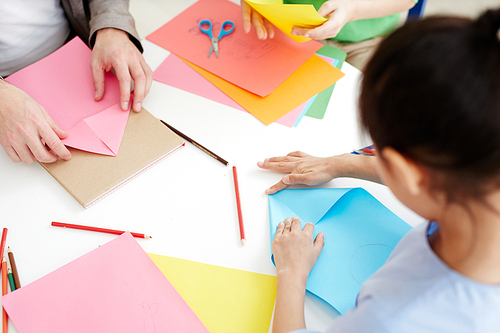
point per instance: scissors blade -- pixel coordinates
(215, 46)
(210, 52)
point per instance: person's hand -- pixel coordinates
(27, 133)
(303, 169)
(113, 49)
(339, 12)
(263, 27)
(295, 253)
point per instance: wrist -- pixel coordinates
(293, 279)
(110, 33)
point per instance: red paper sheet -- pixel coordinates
(247, 62)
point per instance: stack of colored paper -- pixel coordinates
(118, 288)
(269, 79)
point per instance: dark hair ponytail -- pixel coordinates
(432, 92)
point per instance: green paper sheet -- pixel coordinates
(318, 108)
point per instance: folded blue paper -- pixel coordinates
(360, 234)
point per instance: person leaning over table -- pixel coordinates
(354, 26)
(31, 30)
(444, 275)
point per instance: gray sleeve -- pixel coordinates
(112, 14)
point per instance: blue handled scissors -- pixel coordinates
(229, 25)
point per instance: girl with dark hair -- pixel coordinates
(430, 100)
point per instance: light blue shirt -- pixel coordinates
(415, 292)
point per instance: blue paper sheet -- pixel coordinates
(360, 233)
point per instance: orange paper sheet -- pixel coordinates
(252, 64)
(310, 79)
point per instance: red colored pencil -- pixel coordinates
(2, 244)
(4, 292)
(238, 204)
(369, 151)
(109, 231)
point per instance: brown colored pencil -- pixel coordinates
(188, 139)
(14, 268)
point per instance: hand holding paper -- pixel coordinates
(113, 49)
(24, 124)
(360, 233)
(283, 16)
(338, 13)
(295, 254)
(250, 16)
(62, 84)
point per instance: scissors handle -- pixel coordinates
(223, 32)
(206, 31)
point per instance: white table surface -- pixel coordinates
(186, 202)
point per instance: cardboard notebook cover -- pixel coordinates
(90, 177)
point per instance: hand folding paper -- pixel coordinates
(360, 234)
(62, 83)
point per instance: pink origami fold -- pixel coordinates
(62, 83)
(114, 288)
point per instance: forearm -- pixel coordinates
(356, 166)
(366, 9)
(112, 14)
(289, 307)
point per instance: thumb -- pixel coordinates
(319, 242)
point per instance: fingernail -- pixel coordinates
(96, 94)
(294, 33)
(125, 105)
(285, 180)
(307, 35)
(138, 107)
(288, 219)
(322, 235)
(280, 224)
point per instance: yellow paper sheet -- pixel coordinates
(284, 17)
(225, 299)
(310, 79)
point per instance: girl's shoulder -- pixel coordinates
(415, 284)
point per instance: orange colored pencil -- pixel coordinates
(4, 291)
(108, 231)
(2, 244)
(238, 204)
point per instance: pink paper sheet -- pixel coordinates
(62, 83)
(249, 63)
(114, 288)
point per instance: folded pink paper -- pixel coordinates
(114, 288)
(62, 83)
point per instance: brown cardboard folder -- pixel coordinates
(90, 177)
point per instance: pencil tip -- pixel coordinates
(243, 241)
(147, 236)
